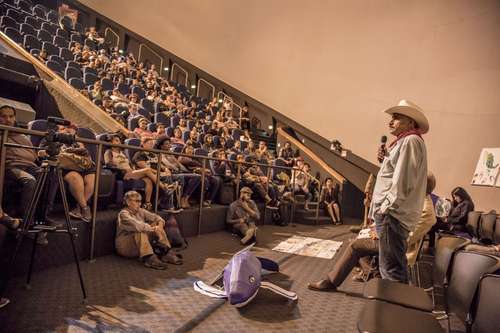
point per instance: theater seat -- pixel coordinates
(50, 48)
(14, 35)
(485, 316)
(382, 317)
(77, 83)
(465, 273)
(27, 29)
(398, 293)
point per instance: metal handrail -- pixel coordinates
(100, 147)
(208, 84)
(180, 68)
(114, 33)
(152, 51)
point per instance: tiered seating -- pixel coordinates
(124, 88)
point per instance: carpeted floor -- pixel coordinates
(124, 296)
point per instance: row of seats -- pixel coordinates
(472, 290)
(470, 282)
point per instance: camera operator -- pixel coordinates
(78, 169)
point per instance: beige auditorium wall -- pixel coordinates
(334, 65)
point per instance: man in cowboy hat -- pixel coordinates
(243, 214)
(399, 191)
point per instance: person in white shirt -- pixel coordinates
(399, 191)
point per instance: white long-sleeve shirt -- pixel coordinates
(401, 182)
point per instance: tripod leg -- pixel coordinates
(32, 259)
(70, 231)
(27, 221)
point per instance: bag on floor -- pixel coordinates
(174, 233)
(242, 278)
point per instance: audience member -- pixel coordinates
(78, 171)
(21, 164)
(212, 183)
(179, 172)
(138, 231)
(330, 199)
(287, 154)
(301, 182)
(243, 215)
(461, 205)
(370, 246)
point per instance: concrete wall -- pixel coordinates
(333, 66)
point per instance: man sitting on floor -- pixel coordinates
(136, 231)
(242, 216)
(364, 247)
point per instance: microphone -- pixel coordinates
(383, 141)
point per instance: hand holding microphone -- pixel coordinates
(382, 150)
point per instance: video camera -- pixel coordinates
(55, 139)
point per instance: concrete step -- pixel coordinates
(311, 220)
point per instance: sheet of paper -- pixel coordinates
(308, 246)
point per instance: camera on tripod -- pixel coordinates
(55, 139)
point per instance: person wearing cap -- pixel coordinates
(399, 190)
(242, 216)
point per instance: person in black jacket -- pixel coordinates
(462, 204)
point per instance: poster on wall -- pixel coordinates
(487, 168)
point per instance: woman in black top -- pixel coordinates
(330, 199)
(460, 207)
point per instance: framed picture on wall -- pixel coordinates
(487, 168)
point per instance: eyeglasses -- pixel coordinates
(136, 200)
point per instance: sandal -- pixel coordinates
(147, 206)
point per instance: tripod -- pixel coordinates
(49, 167)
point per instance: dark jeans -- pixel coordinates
(392, 248)
(308, 195)
(189, 181)
(24, 178)
(212, 185)
(356, 250)
(260, 188)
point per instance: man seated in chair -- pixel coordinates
(243, 215)
(369, 247)
(138, 231)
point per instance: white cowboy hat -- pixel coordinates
(413, 111)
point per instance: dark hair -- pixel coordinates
(460, 192)
(160, 141)
(7, 106)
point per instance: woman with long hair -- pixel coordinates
(330, 199)
(461, 205)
